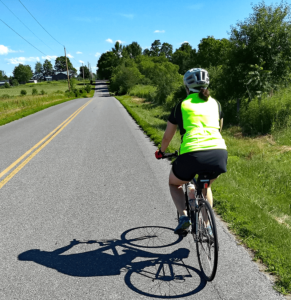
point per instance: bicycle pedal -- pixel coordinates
(184, 234)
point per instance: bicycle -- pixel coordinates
(202, 218)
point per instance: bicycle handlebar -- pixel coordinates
(169, 155)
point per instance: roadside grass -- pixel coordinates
(16, 107)
(253, 197)
(48, 86)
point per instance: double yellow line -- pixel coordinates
(43, 143)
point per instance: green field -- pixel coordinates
(14, 106)
(48, 86)
(253, 197)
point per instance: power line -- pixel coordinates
(24, 24)
(40, 24)
(24, 38)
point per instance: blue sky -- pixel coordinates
(89, 28)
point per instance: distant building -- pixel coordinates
(61, 76)
(3, 82)
(48, 78)
(32, 81)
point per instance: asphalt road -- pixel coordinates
(87, 214)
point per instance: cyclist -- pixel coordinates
(202, 149)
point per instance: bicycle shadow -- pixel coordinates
(154, 274)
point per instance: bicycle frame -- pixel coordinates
(193, 213)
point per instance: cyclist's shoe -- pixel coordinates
(209, 230)
(208, 235)
(184, 224)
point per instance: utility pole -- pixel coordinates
(83, 74)
(67, 70)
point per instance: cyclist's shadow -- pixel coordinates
(155, 269)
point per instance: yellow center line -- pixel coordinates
(35, 146)
(55, 132)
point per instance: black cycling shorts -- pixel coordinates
(187, 165)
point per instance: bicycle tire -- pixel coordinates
(165, 281)
(206, 245)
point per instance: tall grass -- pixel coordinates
(268, 114)
(147, 92)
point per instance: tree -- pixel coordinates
(133, 49)
(213, 52)
(22, 73)
(155, 48)
(117, 49)
(106, 63)
(186, 47)
(261, 43)
(38, 70)
(167, 50)
(86, 72)
(184, 57)
(60, 65)
(47, 68)
(2, 75)
(146, 52)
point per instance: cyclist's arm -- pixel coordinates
(168, 135)
(221, 124)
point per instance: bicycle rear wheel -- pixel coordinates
(207, 242)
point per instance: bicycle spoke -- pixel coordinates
(165, 280)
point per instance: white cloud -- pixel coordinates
(49, 57)
(159, 31)
(186, 42)
(128, 16)
(70, 56)
(97, 54)
(109, 41)
(80, 61)
(120, 42)
(5, 50)
(78, 52)
(21, 60)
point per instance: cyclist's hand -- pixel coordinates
(159, 154)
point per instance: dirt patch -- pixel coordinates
(138, 100)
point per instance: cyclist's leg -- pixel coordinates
(177, 193)
(208, 193)
(209, 199)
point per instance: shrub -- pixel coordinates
(7, 85)
(15, 82)
(34, 91)
(88, 88)
(23, 92)
(73, 84)
(5, 96)
(124, 77)
(76, 92)
(42, 92)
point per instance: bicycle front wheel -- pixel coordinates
(207, 240)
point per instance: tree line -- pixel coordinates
(24, 73)
(254, 60)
